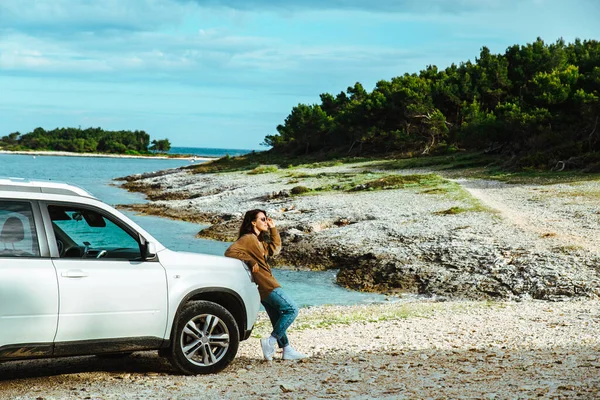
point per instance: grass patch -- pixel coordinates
(538, 177)
(453, 211)
(371, 181)
(569, 248)
(442, 162)
(297, 190)
(590, 194)
(436, 190)
(485, 166)
(332, 316)
(253, 160)
(300, 175)
(389, 182)
(263, 169)
(368, 181)
(453, 191)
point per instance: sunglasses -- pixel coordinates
(263, 219)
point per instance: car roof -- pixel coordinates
(40, 186)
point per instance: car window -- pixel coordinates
(85, 233)
(18, 236)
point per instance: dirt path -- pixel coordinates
(560, 213)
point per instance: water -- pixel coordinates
(206, 152)
(96, 175)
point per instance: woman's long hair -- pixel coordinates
(249, 217)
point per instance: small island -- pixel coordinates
(85, 141)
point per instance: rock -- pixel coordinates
(287, 387)
(352, 375)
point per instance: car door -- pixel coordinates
(107, 290)
(28, 285)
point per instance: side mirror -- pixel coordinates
(149, 250)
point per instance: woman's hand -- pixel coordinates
(255, 268)
(270, 223)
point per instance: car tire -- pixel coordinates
(205, 339)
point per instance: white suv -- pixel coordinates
(79, 277)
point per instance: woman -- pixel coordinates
(253, 250)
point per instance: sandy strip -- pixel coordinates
(70, 154)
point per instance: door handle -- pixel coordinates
(74, 273)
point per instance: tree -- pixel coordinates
(533, 98)
(82, 140)
(161, 146)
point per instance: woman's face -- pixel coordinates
(260, 223)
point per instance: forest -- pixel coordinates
(89, 140)
(538, 104)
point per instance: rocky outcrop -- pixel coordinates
(447, 268)
(525, 276)
(536, 244)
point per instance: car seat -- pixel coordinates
(12, 232)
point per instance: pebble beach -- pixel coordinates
(459, 350)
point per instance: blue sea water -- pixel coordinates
(96, 175)
(208, 152)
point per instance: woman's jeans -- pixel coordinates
(282, 311)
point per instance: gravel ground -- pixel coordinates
(462, 350)
(567, 214)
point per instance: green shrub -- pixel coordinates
(296, 190)
(452, 211)
(263, 169)
(398, 182)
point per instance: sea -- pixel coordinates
(97, 175)
(207, 152)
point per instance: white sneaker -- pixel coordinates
(268, 347)
(289, 353)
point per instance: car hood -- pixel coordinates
(183, 259)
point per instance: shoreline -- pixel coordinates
(451, 348)
(458, 239)
(101, 155)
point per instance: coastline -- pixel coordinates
(100, 155)
(507, 346)
(453, 238)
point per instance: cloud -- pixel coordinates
(200, 56)
(171, 40)
(60, 17)
(208, 55)
(93, 52)
(63, 17)
(396, 6)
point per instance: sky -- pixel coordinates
(225, 73)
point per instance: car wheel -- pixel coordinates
(205, 339)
